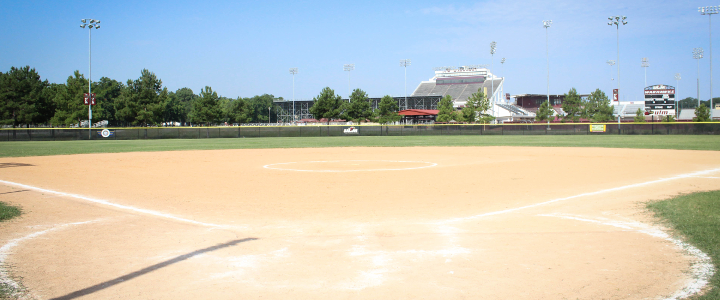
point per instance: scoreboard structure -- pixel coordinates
(660, 99)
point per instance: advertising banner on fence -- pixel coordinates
(351, 130)
(597, 127)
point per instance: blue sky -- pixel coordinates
(245, 48)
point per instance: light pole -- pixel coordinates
(502, 69)
(405, 63)
(547, 24)
(617, 21)
(268, 115)
(709, 11)
(90, 24)
(645, 64)
(677, 84)
(611, 63)
(349, 67)
(698, 54)
(293, 71)
(493, 45)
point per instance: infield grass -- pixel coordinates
(681, 142)
(696, 217)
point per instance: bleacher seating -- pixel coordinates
(424, 89)
(513, 109)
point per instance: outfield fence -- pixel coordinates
(49, 134)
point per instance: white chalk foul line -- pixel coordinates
(499, 212)
(7, 248)
(108, 203)
(429, 165)
(701, 270)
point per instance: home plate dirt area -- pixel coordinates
(352, 223)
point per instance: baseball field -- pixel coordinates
(548, 217)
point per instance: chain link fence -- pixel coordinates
(59, 134)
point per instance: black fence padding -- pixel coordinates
(61, 134)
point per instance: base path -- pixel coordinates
(351, 223)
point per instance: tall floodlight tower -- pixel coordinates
(698, 54)
(709, 11)
(677, 86)
(617, 21)
(493, 45)
(547, 24)
(348, 68)
(610, 63)
(294, 71)
(645, 64)
(405, 63)
(502, 69)
(90, 24)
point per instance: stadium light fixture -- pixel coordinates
(709, 11)
(645, 64)
(677, 84)
(617, 21)
(547, 24)
(348, 68)
(294, 71)
(90, 26)
(698, 54)
(405, 63)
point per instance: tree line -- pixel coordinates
(27, 100)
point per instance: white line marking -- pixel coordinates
(682, 176)
(708, 177)
(108, 203)
(701, 270)
(5, 251)
(429, 165)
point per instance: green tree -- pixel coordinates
(572, 105)
(702, 114)
(258, 108)
(544, 112)
(142, 102)
(446, 112)
(185, 96)
(68, 99)
(388, 110)
(237, 111)
(639, 116)
(107, 91)
(598, 108)
(23, 99)
(326, 105)
(206, 107)
(359, 108)
(476, 105)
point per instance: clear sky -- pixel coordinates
(245, 48)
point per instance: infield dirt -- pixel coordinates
(349, 223)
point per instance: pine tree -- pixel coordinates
(572, 105)
(446, 110)
(326, 105)
(545, 112)
(388, 110)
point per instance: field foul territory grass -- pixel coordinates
(697, 218)
(41, 148)
(8, 212)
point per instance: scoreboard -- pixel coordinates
(660, 99)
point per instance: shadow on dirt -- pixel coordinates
(121, 279)
(10, 165)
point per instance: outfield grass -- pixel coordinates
(696, 217)
(683, 142)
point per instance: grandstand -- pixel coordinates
(460, 83)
